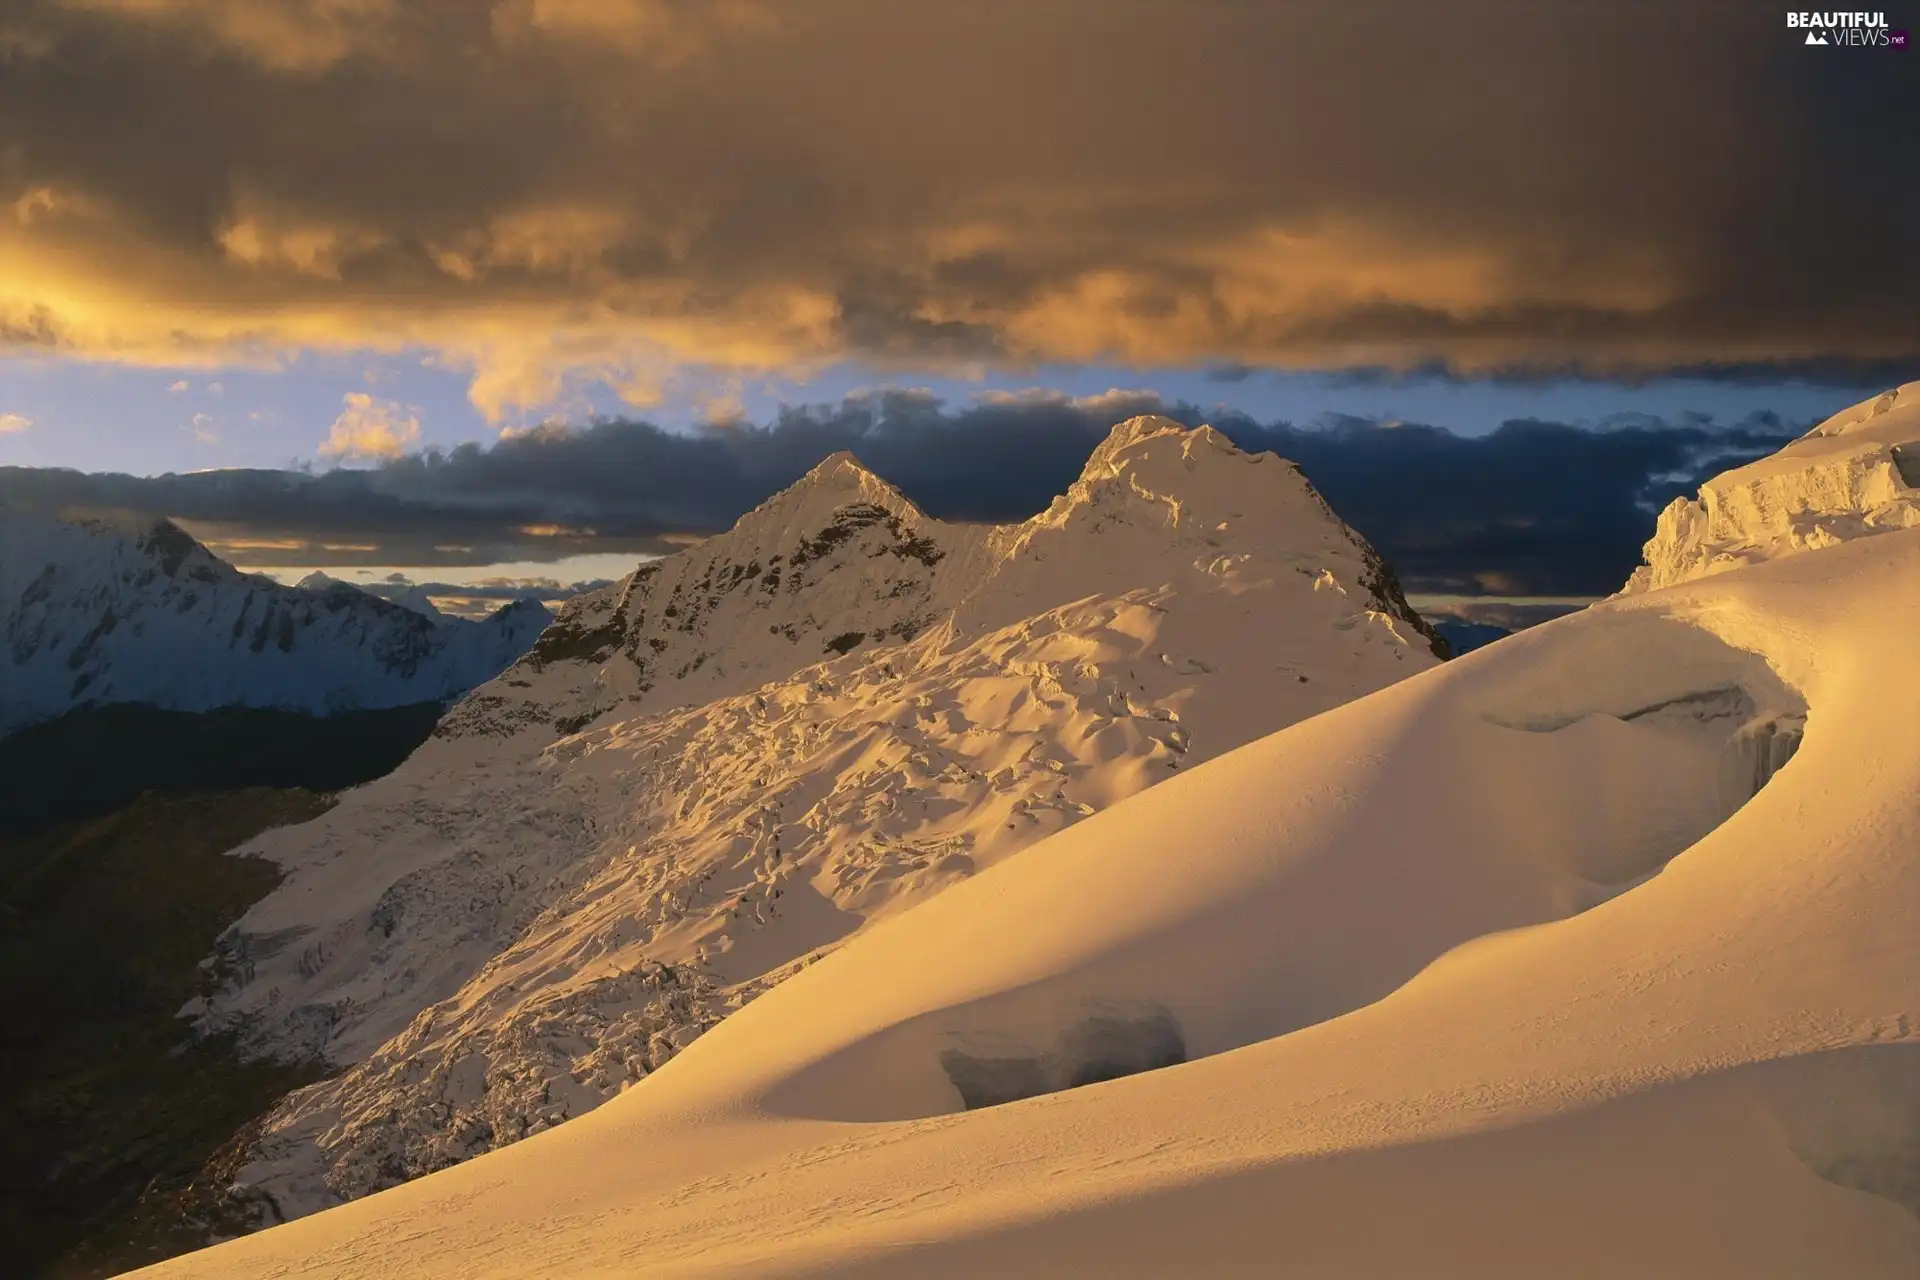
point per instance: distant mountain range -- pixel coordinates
(112, 611)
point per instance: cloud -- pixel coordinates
(544, 192)
(1827, 371)
(283, 35)
(201, 429)
(370, 429)
(13, 423)
(178, 386)
(1533, 508)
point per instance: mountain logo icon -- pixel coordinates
(1815, 37)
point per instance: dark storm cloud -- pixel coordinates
(1533, 508)
(616, 187)
(1849, 374)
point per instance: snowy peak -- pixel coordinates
(417, 600)
(838, 560)
(1124, 445)
(521, 618)
(176, 551)
(325, 584)
(1854, 475)
(1149, 462)
(812, 505)
(1192, 499)
(844, 475)
(1199, 486)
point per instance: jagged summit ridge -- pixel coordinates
(1196, 444)
(842, 559)
(1854, 475)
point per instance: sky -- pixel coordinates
(358, 236)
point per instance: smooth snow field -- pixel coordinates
(1590, 954)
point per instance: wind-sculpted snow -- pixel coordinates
(1850, 477)
(1588, 953)
(741, 756)
(1103, 1041)
(102, 611)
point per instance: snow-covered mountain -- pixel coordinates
(705, 778)
(114, 610)
(1855, 474)
(1589, 953)
(414, 598)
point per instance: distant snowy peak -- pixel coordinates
(417, 600)
(1854, 475)
(119, 610)
(841, 559)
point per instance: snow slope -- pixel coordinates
(1855, 474)
(115, 610)
(1589, 954)
(711, 774)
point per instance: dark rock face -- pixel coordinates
(1384, 586)
(1906, 460)
(170, 545)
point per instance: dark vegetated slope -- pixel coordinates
(97, 760)
(103, 924)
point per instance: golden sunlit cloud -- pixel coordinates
(13, 423)
(370, 430)
(548, 194)
(554, 531)
(662, 30)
